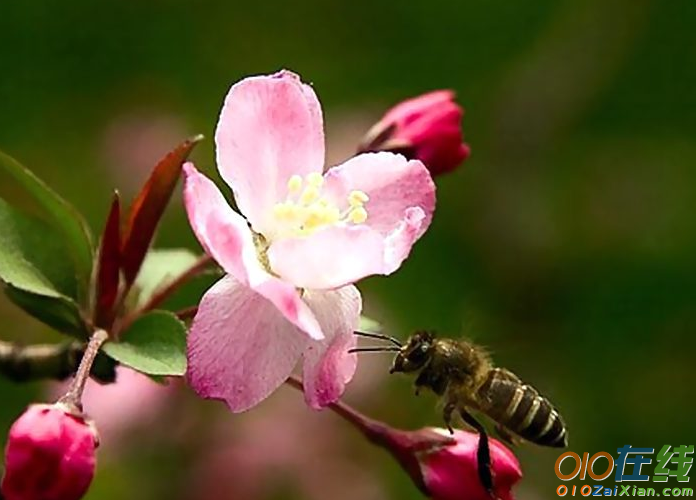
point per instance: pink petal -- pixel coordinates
(399, 242)
(240, 348)
(222, 232)
(438, 123)
(413, 109)
(337, 256)
(226, 237)
(329, 258)
(393, 184)
(328, 366)
(402, 199)
(270, 128)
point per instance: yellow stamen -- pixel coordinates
(315, 179)
(333, 215)
(295, 184)
(357, 198)
(314, 220)
(282, 210)
(358, 215)
(305, 210)
(309, 195)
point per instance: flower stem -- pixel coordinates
(20, 363)
(24, 363)
(371, 429)
(73, 398)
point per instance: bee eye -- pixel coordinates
(419, 353)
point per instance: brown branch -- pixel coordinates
(73, 397)
(49, 361)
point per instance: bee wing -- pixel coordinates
(506, 435)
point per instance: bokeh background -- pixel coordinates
(566, 244)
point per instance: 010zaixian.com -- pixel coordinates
(670, 463)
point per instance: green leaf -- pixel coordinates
(154, 344)
(39, 276)
(369, 325)
(160, 268)
(67, 220)
(32, 255)
(58, 312)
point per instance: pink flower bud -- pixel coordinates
(49, 455)
(451, 472)
(426, 128)
(444, 466)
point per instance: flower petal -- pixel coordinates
(330, 258)
(240, 348)
(400, 206)
(226, 237)
(270, 128)
(328, 366)
(413, 109)
(338, 256)
(222, 232)
(393, 184)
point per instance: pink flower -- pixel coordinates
(303, 240)
(49, 456)
(427, 128)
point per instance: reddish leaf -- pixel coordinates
(147, 209)
(108, 266)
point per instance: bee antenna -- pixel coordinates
(374, 349)
(379, 336)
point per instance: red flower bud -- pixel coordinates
(49, 455)
(451, 473)
(427, 128)
(444, 466)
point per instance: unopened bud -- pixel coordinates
(426, 128)
(444, 466)
(50, 455)
(451, 472)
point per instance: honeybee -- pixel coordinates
(462, 374)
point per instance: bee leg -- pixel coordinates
(483, 454)
(422, 380)
(447, 413)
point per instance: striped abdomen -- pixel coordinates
(521, 409)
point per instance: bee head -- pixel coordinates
(415, 354)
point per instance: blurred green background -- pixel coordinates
(566, 243)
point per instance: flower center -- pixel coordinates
(305, 210)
